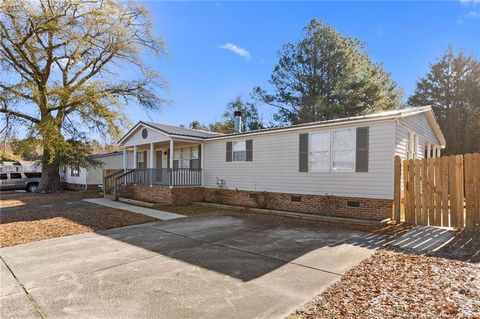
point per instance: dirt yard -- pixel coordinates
(26, 217)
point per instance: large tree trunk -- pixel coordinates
(50, 181)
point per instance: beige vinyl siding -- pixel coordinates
(275, 166)
(419, 125)
(154, 136)
(95, 174)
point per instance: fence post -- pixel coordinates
(396, 188)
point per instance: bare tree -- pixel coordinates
(69, 66)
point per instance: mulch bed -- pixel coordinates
(397, 285)
(34, 217)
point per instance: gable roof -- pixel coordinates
(171, 130)
(176, 131)
(182, 131)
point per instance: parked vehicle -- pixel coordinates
(20, 181)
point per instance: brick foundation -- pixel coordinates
(368, 208)
(163, 195)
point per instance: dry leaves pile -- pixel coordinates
(397, 285)
(63, 214)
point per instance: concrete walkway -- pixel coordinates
(134, 209)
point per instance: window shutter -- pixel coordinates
(145, 159)
(362, 150)
(229, 152)
(303, 153)
(249, 150)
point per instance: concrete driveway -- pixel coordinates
(210, 266)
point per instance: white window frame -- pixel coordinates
(184, 154)
(140, 155)
(310, 151)
(75, 171)
(244, 151)
(412, 145)
(330, 151)
(354, 129)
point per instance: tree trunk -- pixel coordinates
(50, 181)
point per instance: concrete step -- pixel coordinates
(134, 202)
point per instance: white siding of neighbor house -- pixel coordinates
(81, 179)
(95, 174)
(275, 166)
(136, 138)
(419, 125)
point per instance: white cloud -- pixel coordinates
(473, 15)
(237, 50)
(469, 2)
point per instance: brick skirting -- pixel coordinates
(163, 195)
(368, 208)
(353, 207)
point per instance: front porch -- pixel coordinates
(154, 164)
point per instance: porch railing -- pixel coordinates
(109, 181)
(160, 177)
(168, 176)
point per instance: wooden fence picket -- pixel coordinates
(438, 191)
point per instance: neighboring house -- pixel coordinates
(341, 167)
(76, 177)
(20, 166)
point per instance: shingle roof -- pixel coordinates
(182, 131)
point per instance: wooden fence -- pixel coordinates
(443, 191)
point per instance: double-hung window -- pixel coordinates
(186, 157)
(340, 150)
(343, 150)
(319, 155)
(239, 151)
(141, 163)
(75, 171)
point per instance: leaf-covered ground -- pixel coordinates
(31, 217)
(397, 285)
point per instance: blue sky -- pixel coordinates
(204, 71)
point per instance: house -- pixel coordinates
(20, 166)
(82, 178)
(342, 167)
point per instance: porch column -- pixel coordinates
(125, 159)
(202, 155)
(134, 156)
(438, 151)
(171, 162)
(429, 150)
(150, 164)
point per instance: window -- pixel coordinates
(319, 155)
(141, 164)
(3, 176)
(343, 150)
(186, 157)
(412, 145)
(15, 176)
(33, 175)
(75, 171)
(239, 151)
